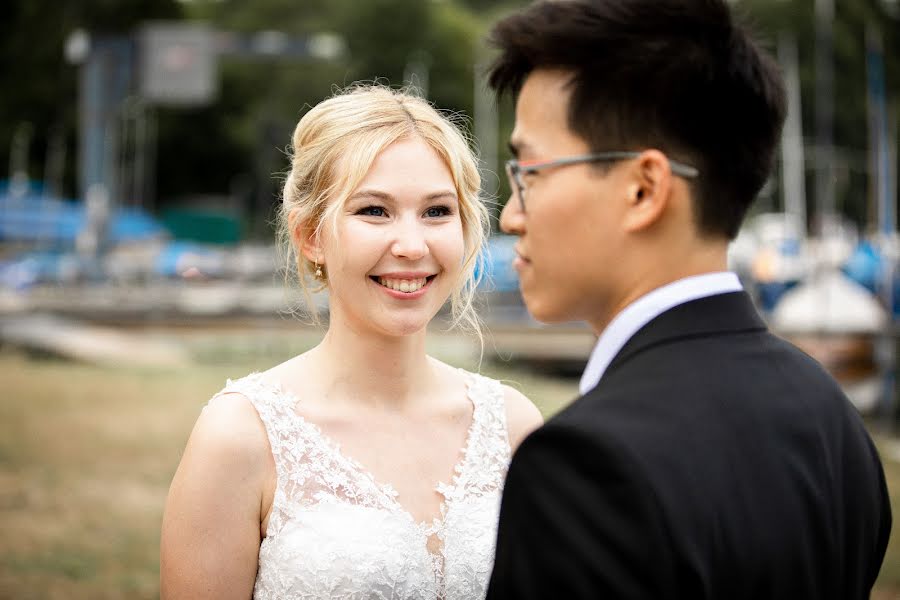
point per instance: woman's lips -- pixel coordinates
(402, 285)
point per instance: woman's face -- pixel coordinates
(398, 252)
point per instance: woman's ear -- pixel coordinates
(649, 190)
(310, 245)
(307, 240)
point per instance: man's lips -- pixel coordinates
(520, 260)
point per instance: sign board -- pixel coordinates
(177, 64)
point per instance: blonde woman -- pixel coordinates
(362, 468)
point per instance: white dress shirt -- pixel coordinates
(645, 309)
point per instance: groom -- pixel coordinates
(706, 458)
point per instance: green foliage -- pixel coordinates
(39, 86)
(235, 146)
(853, 18)
(261, 101)
(382, 35)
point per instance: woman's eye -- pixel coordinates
(438, 211)
(371, 211)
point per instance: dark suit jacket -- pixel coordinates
(713, 460)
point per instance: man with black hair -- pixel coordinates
(706, 458)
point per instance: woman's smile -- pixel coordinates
(402, 285)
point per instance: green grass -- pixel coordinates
(889, 578)
(87, 453)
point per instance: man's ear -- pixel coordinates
(649, 191)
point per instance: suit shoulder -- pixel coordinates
(570, 433)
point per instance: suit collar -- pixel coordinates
(723, 313)
(643, 310)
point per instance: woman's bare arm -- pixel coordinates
(211, 526)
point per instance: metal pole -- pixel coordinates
(792, 159)
(91, 122)
(140, 153)
(825, 196)
(486, 122)
(55, 163)
(148, 192)
(124, 167)
(18, 161)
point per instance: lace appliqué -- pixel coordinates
(335, 532)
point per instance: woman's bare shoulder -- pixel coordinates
(522, 416)
(228, 428)
(212, 520)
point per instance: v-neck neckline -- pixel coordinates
(386, 492)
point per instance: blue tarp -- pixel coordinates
(494, 266)
(38, 218)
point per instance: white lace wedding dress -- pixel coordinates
(336, 533)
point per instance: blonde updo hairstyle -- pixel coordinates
(332, 150)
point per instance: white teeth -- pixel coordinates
(403, 285)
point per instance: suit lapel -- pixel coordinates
(713, 315)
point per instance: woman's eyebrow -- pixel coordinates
(366, 193)
(441, 194)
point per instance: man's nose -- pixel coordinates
(512, 217)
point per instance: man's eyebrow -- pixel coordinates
(519, 148)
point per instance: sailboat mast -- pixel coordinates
(825, 196)
(793, 186)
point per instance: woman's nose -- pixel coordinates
(410, 241)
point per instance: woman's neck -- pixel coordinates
(387, 372)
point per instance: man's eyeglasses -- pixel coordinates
(517, 170)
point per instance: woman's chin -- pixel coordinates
(406, 327)
(389, 323)
(407, 324)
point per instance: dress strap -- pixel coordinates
(309, 467)
(487, 456)
(276, 410)
(289, 445)
(494, 426)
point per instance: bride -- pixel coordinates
(362, 468)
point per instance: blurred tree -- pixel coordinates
(235, 146)
(491, 6)
(232, 147)
(383, 35)
(262, 101)
(39, 86)
(851, 19)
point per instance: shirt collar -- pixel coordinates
(645, 309)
